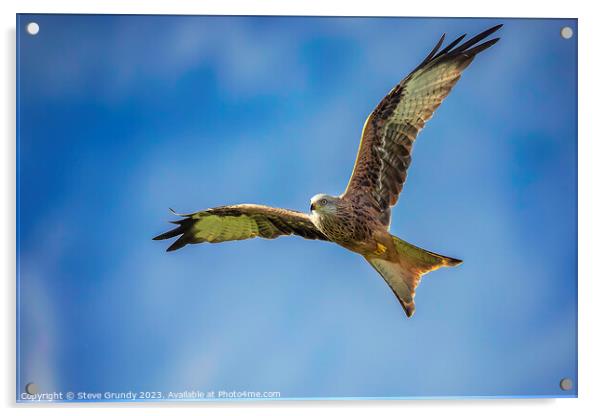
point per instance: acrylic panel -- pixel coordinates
(121, 117)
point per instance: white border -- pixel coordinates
(590, 205)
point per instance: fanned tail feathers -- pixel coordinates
(404, 276)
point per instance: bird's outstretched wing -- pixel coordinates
(385, 149)
(240, 222)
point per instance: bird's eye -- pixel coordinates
(323, 202)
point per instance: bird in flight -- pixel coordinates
(359, 218)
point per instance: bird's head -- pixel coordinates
(324, 204)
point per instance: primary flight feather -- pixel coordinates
(359, 219)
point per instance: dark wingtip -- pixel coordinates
(433, 51)
(480, 48)
(179, 243)
(491, 30)
(468, 49)
(170, 234)
(182, 226)
(450, 46)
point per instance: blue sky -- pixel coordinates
(122, 117)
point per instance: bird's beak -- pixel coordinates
(312, 207)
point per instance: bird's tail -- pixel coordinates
(404, 276)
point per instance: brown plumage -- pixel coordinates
(385, 149)
(359, 219)
(239, 222)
